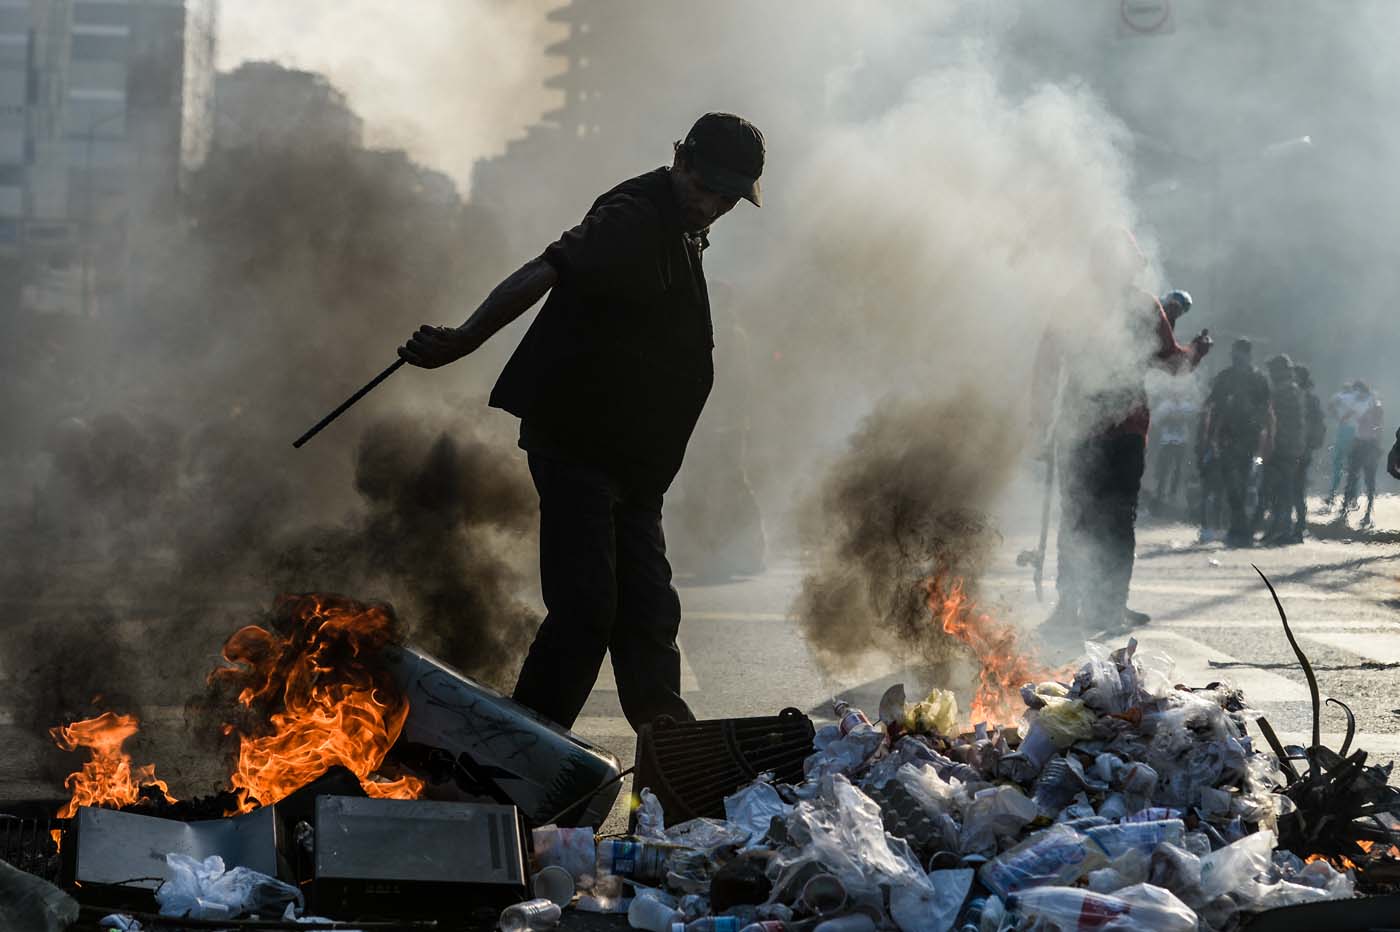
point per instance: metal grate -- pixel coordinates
(28, 845)
(692, 766)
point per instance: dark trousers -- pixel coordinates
(1277, 492)
(1300, 492)
(1101, 478)
(1235, 464)
(607, 587)
(1365, 456)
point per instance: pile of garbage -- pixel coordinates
(1121, 801)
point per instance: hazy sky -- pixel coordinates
(448, 80)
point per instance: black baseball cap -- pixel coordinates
(726, 151)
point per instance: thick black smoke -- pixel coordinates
(153, 502)
(909, 496)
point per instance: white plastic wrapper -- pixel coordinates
(651, 818)
(753, 808)
(935, 908)
(570, 848)
(1237, 864)
(205, 890)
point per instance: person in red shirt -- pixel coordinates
(1100, 441)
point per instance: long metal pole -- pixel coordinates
(345, 405)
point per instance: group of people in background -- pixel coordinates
(1256, 436)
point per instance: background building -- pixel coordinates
(105, 105)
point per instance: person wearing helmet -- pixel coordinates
(1314, 437)
(1175, 303)
(1100, 445)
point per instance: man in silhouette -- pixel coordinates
(608, 383)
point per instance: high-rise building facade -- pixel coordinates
(105, 105)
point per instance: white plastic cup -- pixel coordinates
(531, 916)
(652, 915)
(554, 883)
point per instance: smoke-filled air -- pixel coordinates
(947, 187)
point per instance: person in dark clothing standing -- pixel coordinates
(609, 382)
(1236, 425)
(1102, 460)
(1286, 447)
(1314, 437)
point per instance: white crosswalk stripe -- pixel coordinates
(1193, 667)
(1380, 647)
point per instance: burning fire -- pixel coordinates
(307, 700)
(1003, 665)
(331, 706)
(1338, 861)
(108, 779)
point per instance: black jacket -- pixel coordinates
(616, 367)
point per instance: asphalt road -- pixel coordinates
(744, 654)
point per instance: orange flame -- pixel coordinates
(108, 779)
(1339, 861)
(1004, 666)
(332, 707)
(312, 699)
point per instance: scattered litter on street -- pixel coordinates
(1121, 800)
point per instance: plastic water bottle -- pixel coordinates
(709, 924)
(853, 922)
(847, 716)
(1144, 836)
(531, 916)
(623, 858)
(772, 925)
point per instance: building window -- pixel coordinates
(100, 43)
(102, 14)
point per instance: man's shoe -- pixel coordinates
(1135, 619)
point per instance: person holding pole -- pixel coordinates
(608, 384)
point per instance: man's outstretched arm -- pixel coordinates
(431, 347)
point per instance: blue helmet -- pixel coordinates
(1178, 297)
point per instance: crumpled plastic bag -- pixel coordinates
(993, 814)
(754, 807)
(1237, 864)
(573, 849)
(1100, 682)
(840, 754)
(1065, 721)
(205, 890)
(936, 713)
(844, 832)
(935, 908)
(1314, 883)
(651, 817)
(706, 834)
